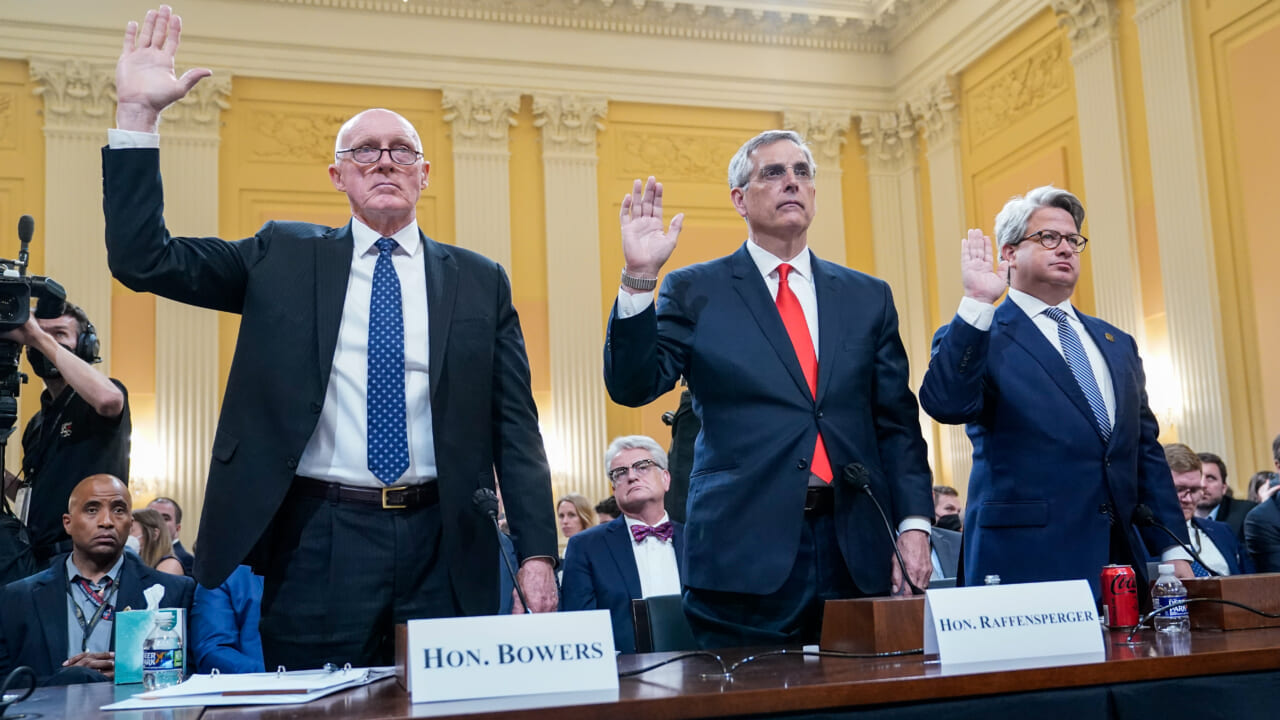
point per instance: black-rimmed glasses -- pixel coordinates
(1051, 239)
(369, 155)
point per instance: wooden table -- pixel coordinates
(909, 686)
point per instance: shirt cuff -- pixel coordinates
(630, 305)
(914, 523)
(1173, 552)
(976, 313)
(118, 139)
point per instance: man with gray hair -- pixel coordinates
(634, 556)
(799, 377)
(1055, 402)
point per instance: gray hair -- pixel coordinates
(1011, 223)
(740, 165)
(351, 121)
(635, 442)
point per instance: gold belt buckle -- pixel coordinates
(388, 505)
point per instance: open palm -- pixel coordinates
(645, 245)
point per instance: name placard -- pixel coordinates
(503, 655)
(1049, 622)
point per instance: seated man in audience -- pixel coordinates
(635, 556)
(60, 621)
(1214, 541)
(224, 625)
(607, 511)
(946, 507)
(1218, 502)
(1262, 525)
(171, 511)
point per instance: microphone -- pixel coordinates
(486, 503)
(26, 227)
(1143, 517)
(855, 475)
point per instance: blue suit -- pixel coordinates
(600, 573)
(1045, 488)
(716, 324)
(1238, 561)
(33, 611)
(224, 625)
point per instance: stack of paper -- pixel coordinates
(285, 688)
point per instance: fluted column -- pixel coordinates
(938, 117)
(569, 125)
(824, 132)
(79, 106)
(481, 121)
(187, 379)
(1182, 223)
(1091, 27)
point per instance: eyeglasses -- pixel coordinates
(370, 155)
(777, 173)
(1051, 239)
(1189, 491)
(640, 467)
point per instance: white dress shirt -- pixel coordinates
(655, 561)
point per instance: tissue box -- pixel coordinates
(131, 629)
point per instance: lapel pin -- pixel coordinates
(1109, 337)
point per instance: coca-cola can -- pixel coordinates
(1119, 596)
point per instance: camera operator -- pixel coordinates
(82, 427)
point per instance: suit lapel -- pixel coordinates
(618, 539)
(50, 599)
(755, 295)
(1024, 332)
(830, 327)
(442, 292)
(333, 273)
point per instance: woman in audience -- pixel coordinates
(1256, 482)
(575, 514)
(155, 546)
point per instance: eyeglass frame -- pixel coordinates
(639, 467)
(417, 155)
(1188, 491)
(770, 179)
(1039, 237)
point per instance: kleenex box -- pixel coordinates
(132, 628)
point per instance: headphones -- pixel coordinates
(87, 345)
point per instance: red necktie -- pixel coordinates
(793, 319)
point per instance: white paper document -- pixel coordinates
(286, 688)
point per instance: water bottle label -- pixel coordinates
(1161, 603)
(161, 659)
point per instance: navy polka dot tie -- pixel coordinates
(388, 434)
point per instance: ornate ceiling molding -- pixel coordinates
(569, 123)
(824, 132)
(890, 140)
(1086, 21)
(844, 25)
(481, 118)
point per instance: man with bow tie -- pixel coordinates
(636, 555)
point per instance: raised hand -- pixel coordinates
(146, 82)
(980, 281)
(645, 246)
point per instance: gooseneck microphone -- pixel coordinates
(486, 503)
(856, 477)
(1143, 517)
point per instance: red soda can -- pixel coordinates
(1119, 596)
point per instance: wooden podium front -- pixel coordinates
(1257, 591)
(873, 625)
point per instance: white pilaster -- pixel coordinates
(824, 132)
(79, 106)
(1091, 27)
(569, 125)
(1182, 222)
(481, 120)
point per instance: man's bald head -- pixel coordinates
(89, 486)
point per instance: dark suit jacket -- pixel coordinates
(1220, 534)
(1045, 488)
(1232, 511)
(288, 283)
(184, 557)
(947, 544)
(600, 573)
(716, 324)
(1262, 535)
(33, 618)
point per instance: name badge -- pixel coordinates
(503, 655)
(1021, 625)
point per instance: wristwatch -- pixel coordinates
(636, 283)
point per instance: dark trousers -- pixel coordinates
(790, 616)
(342, 575)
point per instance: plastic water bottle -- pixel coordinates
(1167, 590)
(162, 654)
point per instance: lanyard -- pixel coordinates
(103, 603)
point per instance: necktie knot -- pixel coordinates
(1056, 314)
(386, 245)
(663, 532)
(783, 271)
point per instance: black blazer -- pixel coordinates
(288, 283)
(1232, 511)
(33, 622)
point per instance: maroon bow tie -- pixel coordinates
(663, 532)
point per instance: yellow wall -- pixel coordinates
(1237, 46)
(529, 250)
(859, 246)
(688, 150)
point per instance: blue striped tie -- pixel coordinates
(1078, 361)
(388, 433)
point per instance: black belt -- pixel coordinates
(819, 501)
(400, 497)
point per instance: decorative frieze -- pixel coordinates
(1086, 21)
(569, 123)
(890, 139)
(77, 94)
(937, 112)
(1018, 89)
(684, 157)
(298, 138)
(480, 118)
(823, 131)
